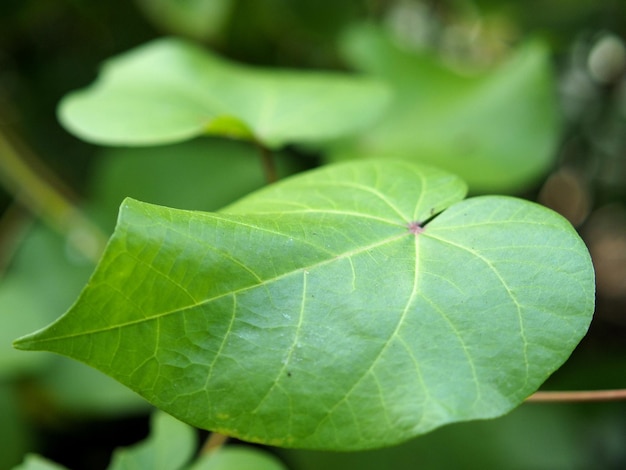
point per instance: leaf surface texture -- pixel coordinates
(321, 312)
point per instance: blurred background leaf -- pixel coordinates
(170, 90)
(235, 457)
(169, 446)
(498, 129)
(202, 174)
(35, 462)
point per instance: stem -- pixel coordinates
(214, 442)
(15, 222)
(43, 199)
(267, 160)
(577, 396)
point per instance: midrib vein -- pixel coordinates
(277, 278)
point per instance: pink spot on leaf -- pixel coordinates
(415, 228)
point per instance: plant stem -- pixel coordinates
(43, 199)
(213, 443)
(577, 396)
(268, 162)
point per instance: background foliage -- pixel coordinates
(75, 416)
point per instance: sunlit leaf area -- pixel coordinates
(312, 235)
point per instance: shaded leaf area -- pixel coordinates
(546, 436)
(21, 310)
(171, 445)
(498, 130)
(197, 19)
(15, 434)
(201, 174)
(326, 285)
(170, 90)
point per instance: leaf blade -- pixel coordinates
(497, 130)
(169, 90)
(245, 314)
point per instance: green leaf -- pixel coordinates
(75, 388)
(17, 434)
(20, 312)
(531, 437)
(497, 130)
(170, 90)
(35, 462)
(236, 458)
(201, 174)
(318, 313)
(31, 297)
(170, 446)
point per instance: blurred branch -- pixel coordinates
(14, 223)
(214, 442)
(577, 396)
(44, 200)
(267, 160)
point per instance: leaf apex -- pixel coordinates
(27, 342)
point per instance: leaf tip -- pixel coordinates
(26, 343)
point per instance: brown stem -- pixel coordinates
(214, 442)
(577, 396)
(267, 160)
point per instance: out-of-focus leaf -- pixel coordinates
(320, 313)
(169, 446)
(43, 278)
(76, 388)
(16, 437)
(202, 174)
(198, 19)
(35, 462)
(531, 437)
(20, 312)
(169, 90)
(497, 130)
(238, 458)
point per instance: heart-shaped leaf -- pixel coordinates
(170, 90)
(497, 130)
(322, 312)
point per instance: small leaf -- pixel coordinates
(169, 446)
(497, 130)
(170, 90)
(237, 458)
(321, 313)
(35, 462)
